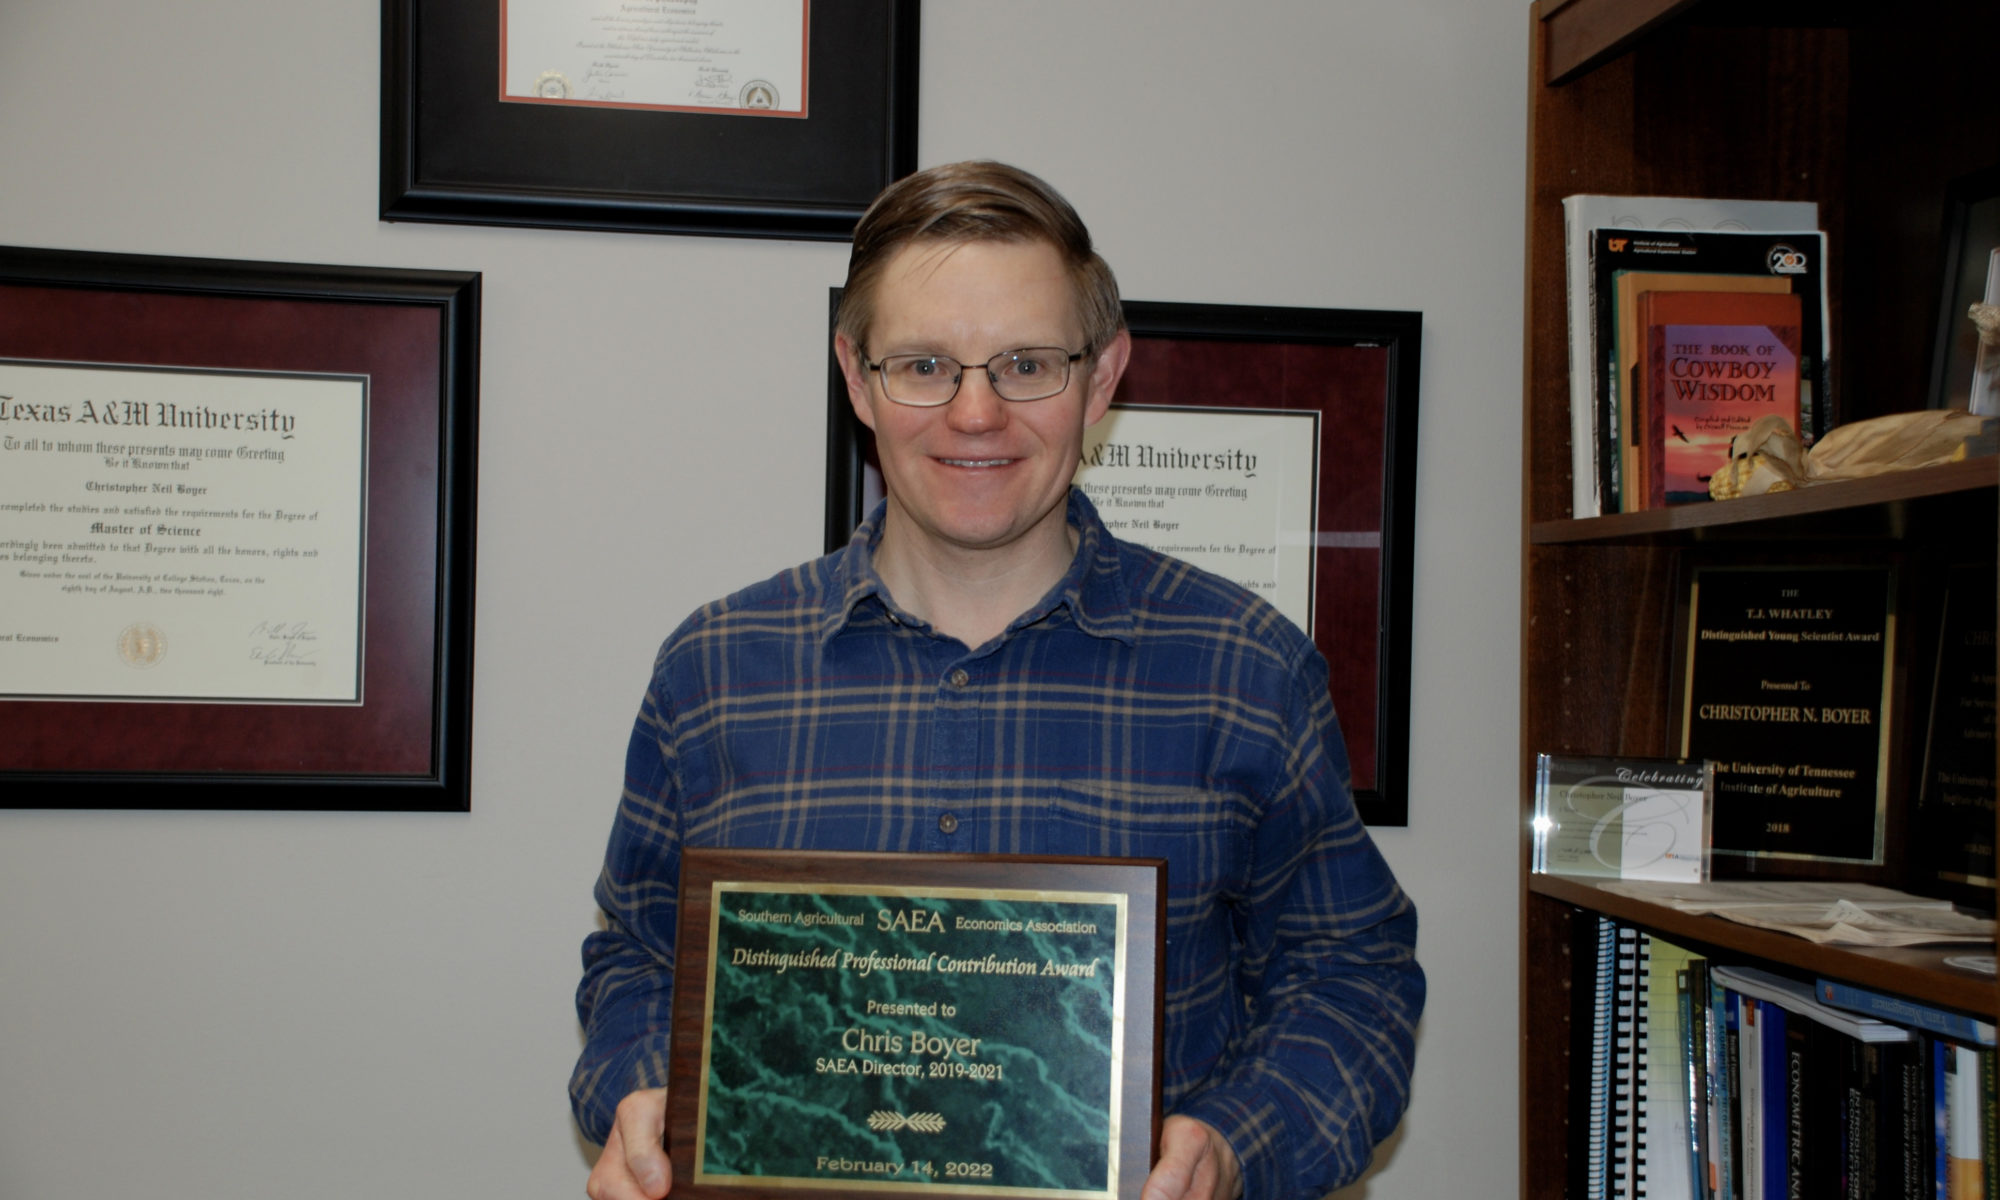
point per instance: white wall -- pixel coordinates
(312, 1006)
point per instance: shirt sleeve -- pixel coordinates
(1328, 973)
(626, 998)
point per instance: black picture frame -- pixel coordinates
(453, 151)
(1367, 472)
(1971, 232)
(405, 743)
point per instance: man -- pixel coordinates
(984, 668)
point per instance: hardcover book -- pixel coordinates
(1716, 363)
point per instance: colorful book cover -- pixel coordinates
(1797, 256)
(1717, 362)
(1629, 350)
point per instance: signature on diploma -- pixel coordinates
(284, 644)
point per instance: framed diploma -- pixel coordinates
(915, 1024)
(1788, 684)
(755, 118)
(1276, 447)
(236, 510)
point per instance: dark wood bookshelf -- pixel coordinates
(1870, 111)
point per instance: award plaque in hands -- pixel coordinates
(891, 1023)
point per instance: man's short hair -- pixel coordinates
(977, 201)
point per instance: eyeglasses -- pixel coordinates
(929, 380)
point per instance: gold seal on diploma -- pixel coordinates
(142, 645)
(552, 85)
(758, 93)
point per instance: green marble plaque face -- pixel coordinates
(888, 1039)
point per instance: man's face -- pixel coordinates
(980, 473)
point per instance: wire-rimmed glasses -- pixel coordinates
(929, 380)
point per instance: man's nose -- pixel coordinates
(977, 408)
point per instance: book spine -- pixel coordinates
(1722, 1094)
(1796, 1083)
(1990, 1178)
(1776, 1095)
(1915, 1116)
(1962, 1125)
(1750, 1080)
(1854, 1150)
(1941, 1119)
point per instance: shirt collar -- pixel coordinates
(1093, 589)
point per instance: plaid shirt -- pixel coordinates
(1142, 709)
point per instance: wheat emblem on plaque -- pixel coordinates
(928, 1122)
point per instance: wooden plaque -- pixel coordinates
(962, 1025)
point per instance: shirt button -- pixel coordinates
(948, 824)
(958, 680)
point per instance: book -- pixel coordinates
(1815, 1114)
(1723, 1181)
(1750, 1086)
(1774, 1096)
(1900, 1011)
(1911, 1131)
(1941, 1056)
(1621, 818)
(1989, 1127)
(1583, 213)
(1796, 256)
(1797, 998)
(1965, 1176)
(1629, 348)
(1591, 1170)
(1673, 1123)
(1715, 364)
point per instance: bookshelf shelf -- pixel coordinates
(1869, 111)
(1950, 500)
(1920, 972)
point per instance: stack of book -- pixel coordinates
(1689, 319)
(1716, 1082)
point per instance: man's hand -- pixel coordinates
(634, 1164)
(1195, 1164)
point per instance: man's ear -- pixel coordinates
(1105, 373)
(855, 371)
